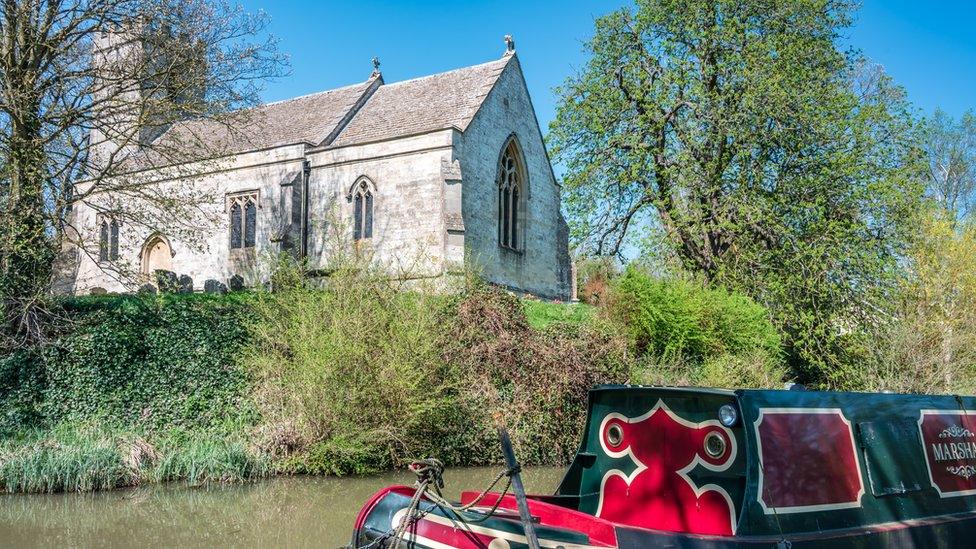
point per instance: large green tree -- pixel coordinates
(774, 161)
(950, 146)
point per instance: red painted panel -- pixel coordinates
(600, 532)
(658, 493)
(809, 460)
(949, 437)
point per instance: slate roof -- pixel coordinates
(307, 119)
(330, 118)
(445, 100)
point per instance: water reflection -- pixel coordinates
(282, 512)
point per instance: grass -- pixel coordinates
(82, 458)
(543, 314)
(200, 459)
(65, 460)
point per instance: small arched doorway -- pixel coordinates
(157, 255)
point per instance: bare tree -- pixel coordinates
(951, 148)
(90, 91)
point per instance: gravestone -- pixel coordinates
(166, 281)
(186, 284)
(212, 286)
(236, 283)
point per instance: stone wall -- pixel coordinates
(542, 266)
(408, 226)
(201, 246)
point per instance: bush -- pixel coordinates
(535, 382)
(22, 385)
(159, 362)
(720, 337)
(349, 377)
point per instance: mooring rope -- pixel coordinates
(430, 482)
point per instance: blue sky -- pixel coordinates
(929, 50)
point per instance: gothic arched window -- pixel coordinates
(362, 211)
(243, 219)
(511, 194)
(108, 240)
(113, 234)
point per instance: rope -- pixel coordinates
(430, 482)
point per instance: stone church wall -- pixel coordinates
(206, 255)
(542, 266)
(408, 226)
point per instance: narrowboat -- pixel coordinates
(706, 468)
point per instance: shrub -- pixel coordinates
(21, 392)
(349, 377)
(535, 382)
(723, 338)
(158, 362)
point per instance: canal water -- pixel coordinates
(279, 512)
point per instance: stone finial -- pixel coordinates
(376, 66)
(509, 45)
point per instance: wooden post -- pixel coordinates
(523, 504)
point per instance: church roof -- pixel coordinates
(360, 113)
(308, 119)
(445, 100)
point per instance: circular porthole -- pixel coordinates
(615, 435)
(714, 445)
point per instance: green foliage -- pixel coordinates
(776, 164)
(83, 457)
(160, 362)
(534, 382)
(724, 338)
(543, 314)
(166, 367)
(360, 375)
(68, 460)
(930, 345)
(198, 458)
(349, 375)
(22, 385)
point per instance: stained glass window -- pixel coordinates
(362, 215)
(103, 242)
(510, 192)
(243, 220)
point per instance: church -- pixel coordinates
(431, 176)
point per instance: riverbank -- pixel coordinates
(354, 378)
